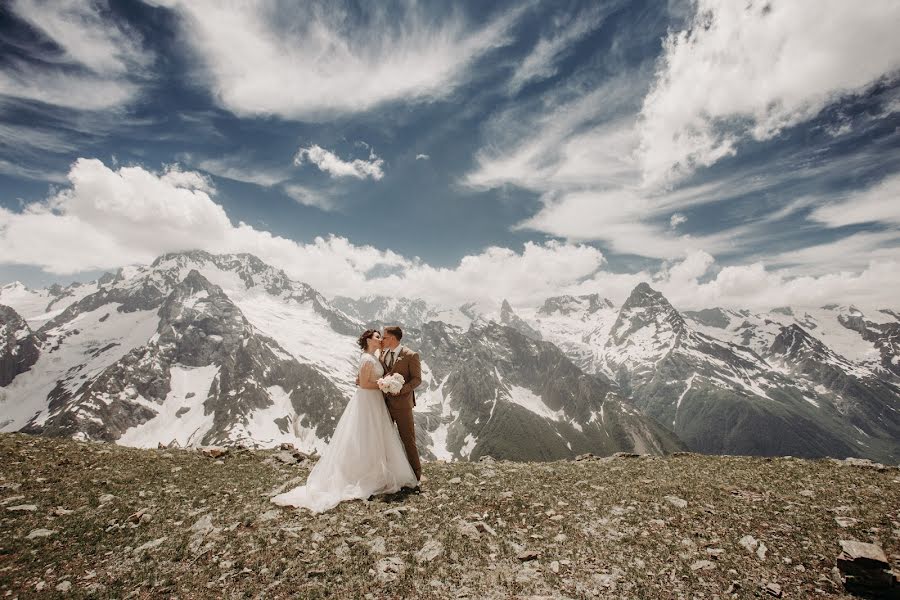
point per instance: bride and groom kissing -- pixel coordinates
(367, 454)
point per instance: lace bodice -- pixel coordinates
(376, 365)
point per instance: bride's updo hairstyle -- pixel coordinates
(363, 340)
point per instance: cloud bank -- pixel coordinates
(108, 218)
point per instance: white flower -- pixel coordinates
(391, 384)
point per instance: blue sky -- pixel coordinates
(727, 152)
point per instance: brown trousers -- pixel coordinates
(401, 409)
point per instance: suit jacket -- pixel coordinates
(408, 365)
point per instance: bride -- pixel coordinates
(365, 455)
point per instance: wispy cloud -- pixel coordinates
(541, 62)
(879, 204)
(331, 163)
(309, 197)
(422, 157)
(239, 167)
(322, 59)
(91, 63)
(747, 71)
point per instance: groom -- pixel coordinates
(400, 359)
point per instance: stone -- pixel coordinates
(214, 451)
(702, 565)
(773, 589)
(455, 481)
(285, 457)
(64, 586)
(626, 455)
(390, 568)
(526, 555)
(39, 533)
(22, 508)
(749, 543)
(676, 501)
(149, 545)
(106, 498)
(865, 568)
(431, 550)
(468, 530)
(845, 521)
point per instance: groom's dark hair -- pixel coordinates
(394, 331)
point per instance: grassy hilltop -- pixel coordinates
(100, 520)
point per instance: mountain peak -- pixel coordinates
(646, 307)
(644, 295)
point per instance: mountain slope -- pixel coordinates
(19, 349)
(494, 391)
(200, 349)
(730, 393)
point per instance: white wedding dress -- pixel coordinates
(365, 455)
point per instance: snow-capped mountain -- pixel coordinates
(724, 381)
(224, 349)
(377, 311)
(19, 349)
(493, 390)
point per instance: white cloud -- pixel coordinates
(676, 220)
(108, 218)
(878, 204)
(331, 163)
(422, 157)
(239, 168)
(25, 172)
(541, 61)
(84, 35)
(307, 197)
(315, 61)
(750, 70)
(96, 67)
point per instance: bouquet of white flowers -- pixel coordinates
(391, 384)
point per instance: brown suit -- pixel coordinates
(400, 406)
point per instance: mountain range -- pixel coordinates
(198, 349)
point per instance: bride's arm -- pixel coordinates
(367, 379)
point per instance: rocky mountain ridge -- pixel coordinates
(197, 349)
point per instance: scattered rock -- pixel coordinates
(526, 555)
(22, 508)
(106, 498)
(285, 457)
(149, 545)
(865, 568)
(64, 586)
(483, 527)
(860, 463)
(214, 451)
(585, 456)
(845, 521)
(749, 543)
(468, 530)
(773, 589)
(39, 533)
(455, 481)
(807, 493)
(626, 455)
(761, 551)
(390, 568)
(702, 565)
(59, 511)
(676, 501)
(431, 550)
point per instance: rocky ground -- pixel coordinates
(100, 520)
